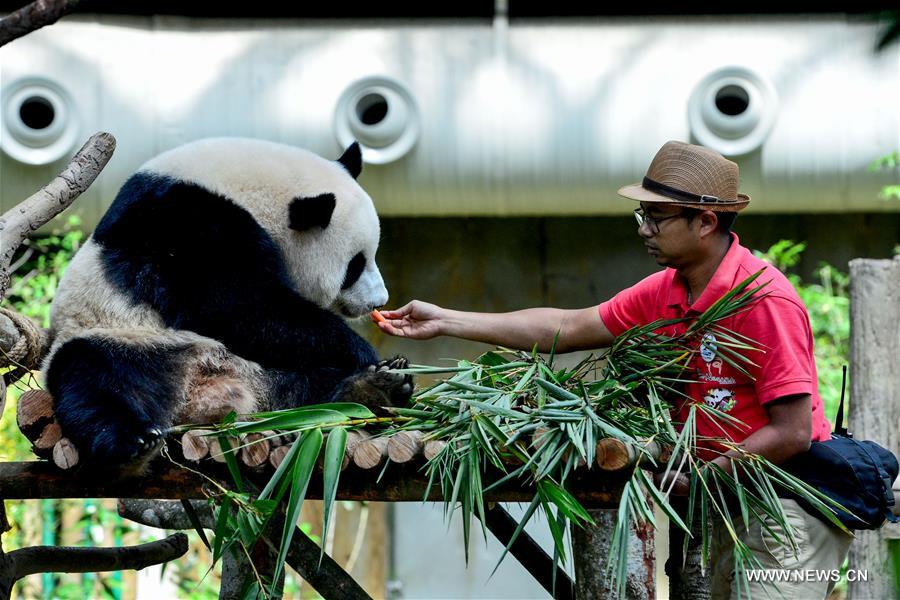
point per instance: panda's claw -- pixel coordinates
(380, 385)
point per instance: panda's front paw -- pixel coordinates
(381, 386)
(147, 442)
(126, 448)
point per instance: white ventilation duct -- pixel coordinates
(38, 121)
(732, 110)
(381, 115)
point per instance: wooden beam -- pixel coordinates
(400, 483)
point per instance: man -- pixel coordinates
(688, 202)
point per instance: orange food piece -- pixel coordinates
(377, 317)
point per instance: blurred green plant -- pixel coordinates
(39, 267)
(827, 301)
(886, 163)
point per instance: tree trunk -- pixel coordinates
(874, 393)
(591, 547)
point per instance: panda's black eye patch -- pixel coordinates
(315, 211)
(354, 270)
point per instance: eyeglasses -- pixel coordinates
(652, 222)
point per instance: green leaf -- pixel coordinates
(304, 465)
(292, 420)
(555, 390)
(221, 531)
(280, 479)
(231, 462)
(529, 512)
(661, 501)
(334, 456)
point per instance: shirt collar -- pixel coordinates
(722, 281)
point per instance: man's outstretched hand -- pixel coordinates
(417, 320)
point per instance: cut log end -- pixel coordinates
(433, 448)
(370, 453)
(277, 454)
(195, 445)
(34, 412)
(404, 446)
(216, 451)
(614, 455)
(43, 446)
(65, 454)
(255, 450)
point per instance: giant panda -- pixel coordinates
(218, 281)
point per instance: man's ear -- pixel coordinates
(709, 222)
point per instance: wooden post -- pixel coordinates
(591, 548)
(874, 400)
(687, 579)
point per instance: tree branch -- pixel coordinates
(63, 559)
(32, 17)
(48, 202)
(165, 514)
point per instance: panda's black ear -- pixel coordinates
(352, 160)
(306, 213)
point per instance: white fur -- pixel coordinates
(86, 300)
(263, 177)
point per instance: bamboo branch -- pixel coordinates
(32, 17)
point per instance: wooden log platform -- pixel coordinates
(400, 483)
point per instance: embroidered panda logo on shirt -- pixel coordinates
(708, 347)
(719, 398)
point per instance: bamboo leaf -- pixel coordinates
(305, 463)
(231, 462)
(331, 473)
(293, 419)
(529, 512)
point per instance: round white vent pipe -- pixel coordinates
(732, 110)
(381, 114)
(38, 121)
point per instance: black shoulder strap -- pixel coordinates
(839, 422)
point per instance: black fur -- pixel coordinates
(113, 400)
(306, 213)
(354, 270)
(352, 160)
(205, 265)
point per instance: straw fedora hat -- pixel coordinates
(688, 175)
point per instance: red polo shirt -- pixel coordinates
(777, 322)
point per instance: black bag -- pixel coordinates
(857, 474)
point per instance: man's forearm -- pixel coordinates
(772, 443)
(519, 330)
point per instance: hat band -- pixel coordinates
(676, 194)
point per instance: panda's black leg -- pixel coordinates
(113, 400)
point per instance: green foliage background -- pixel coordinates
(827, 301)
